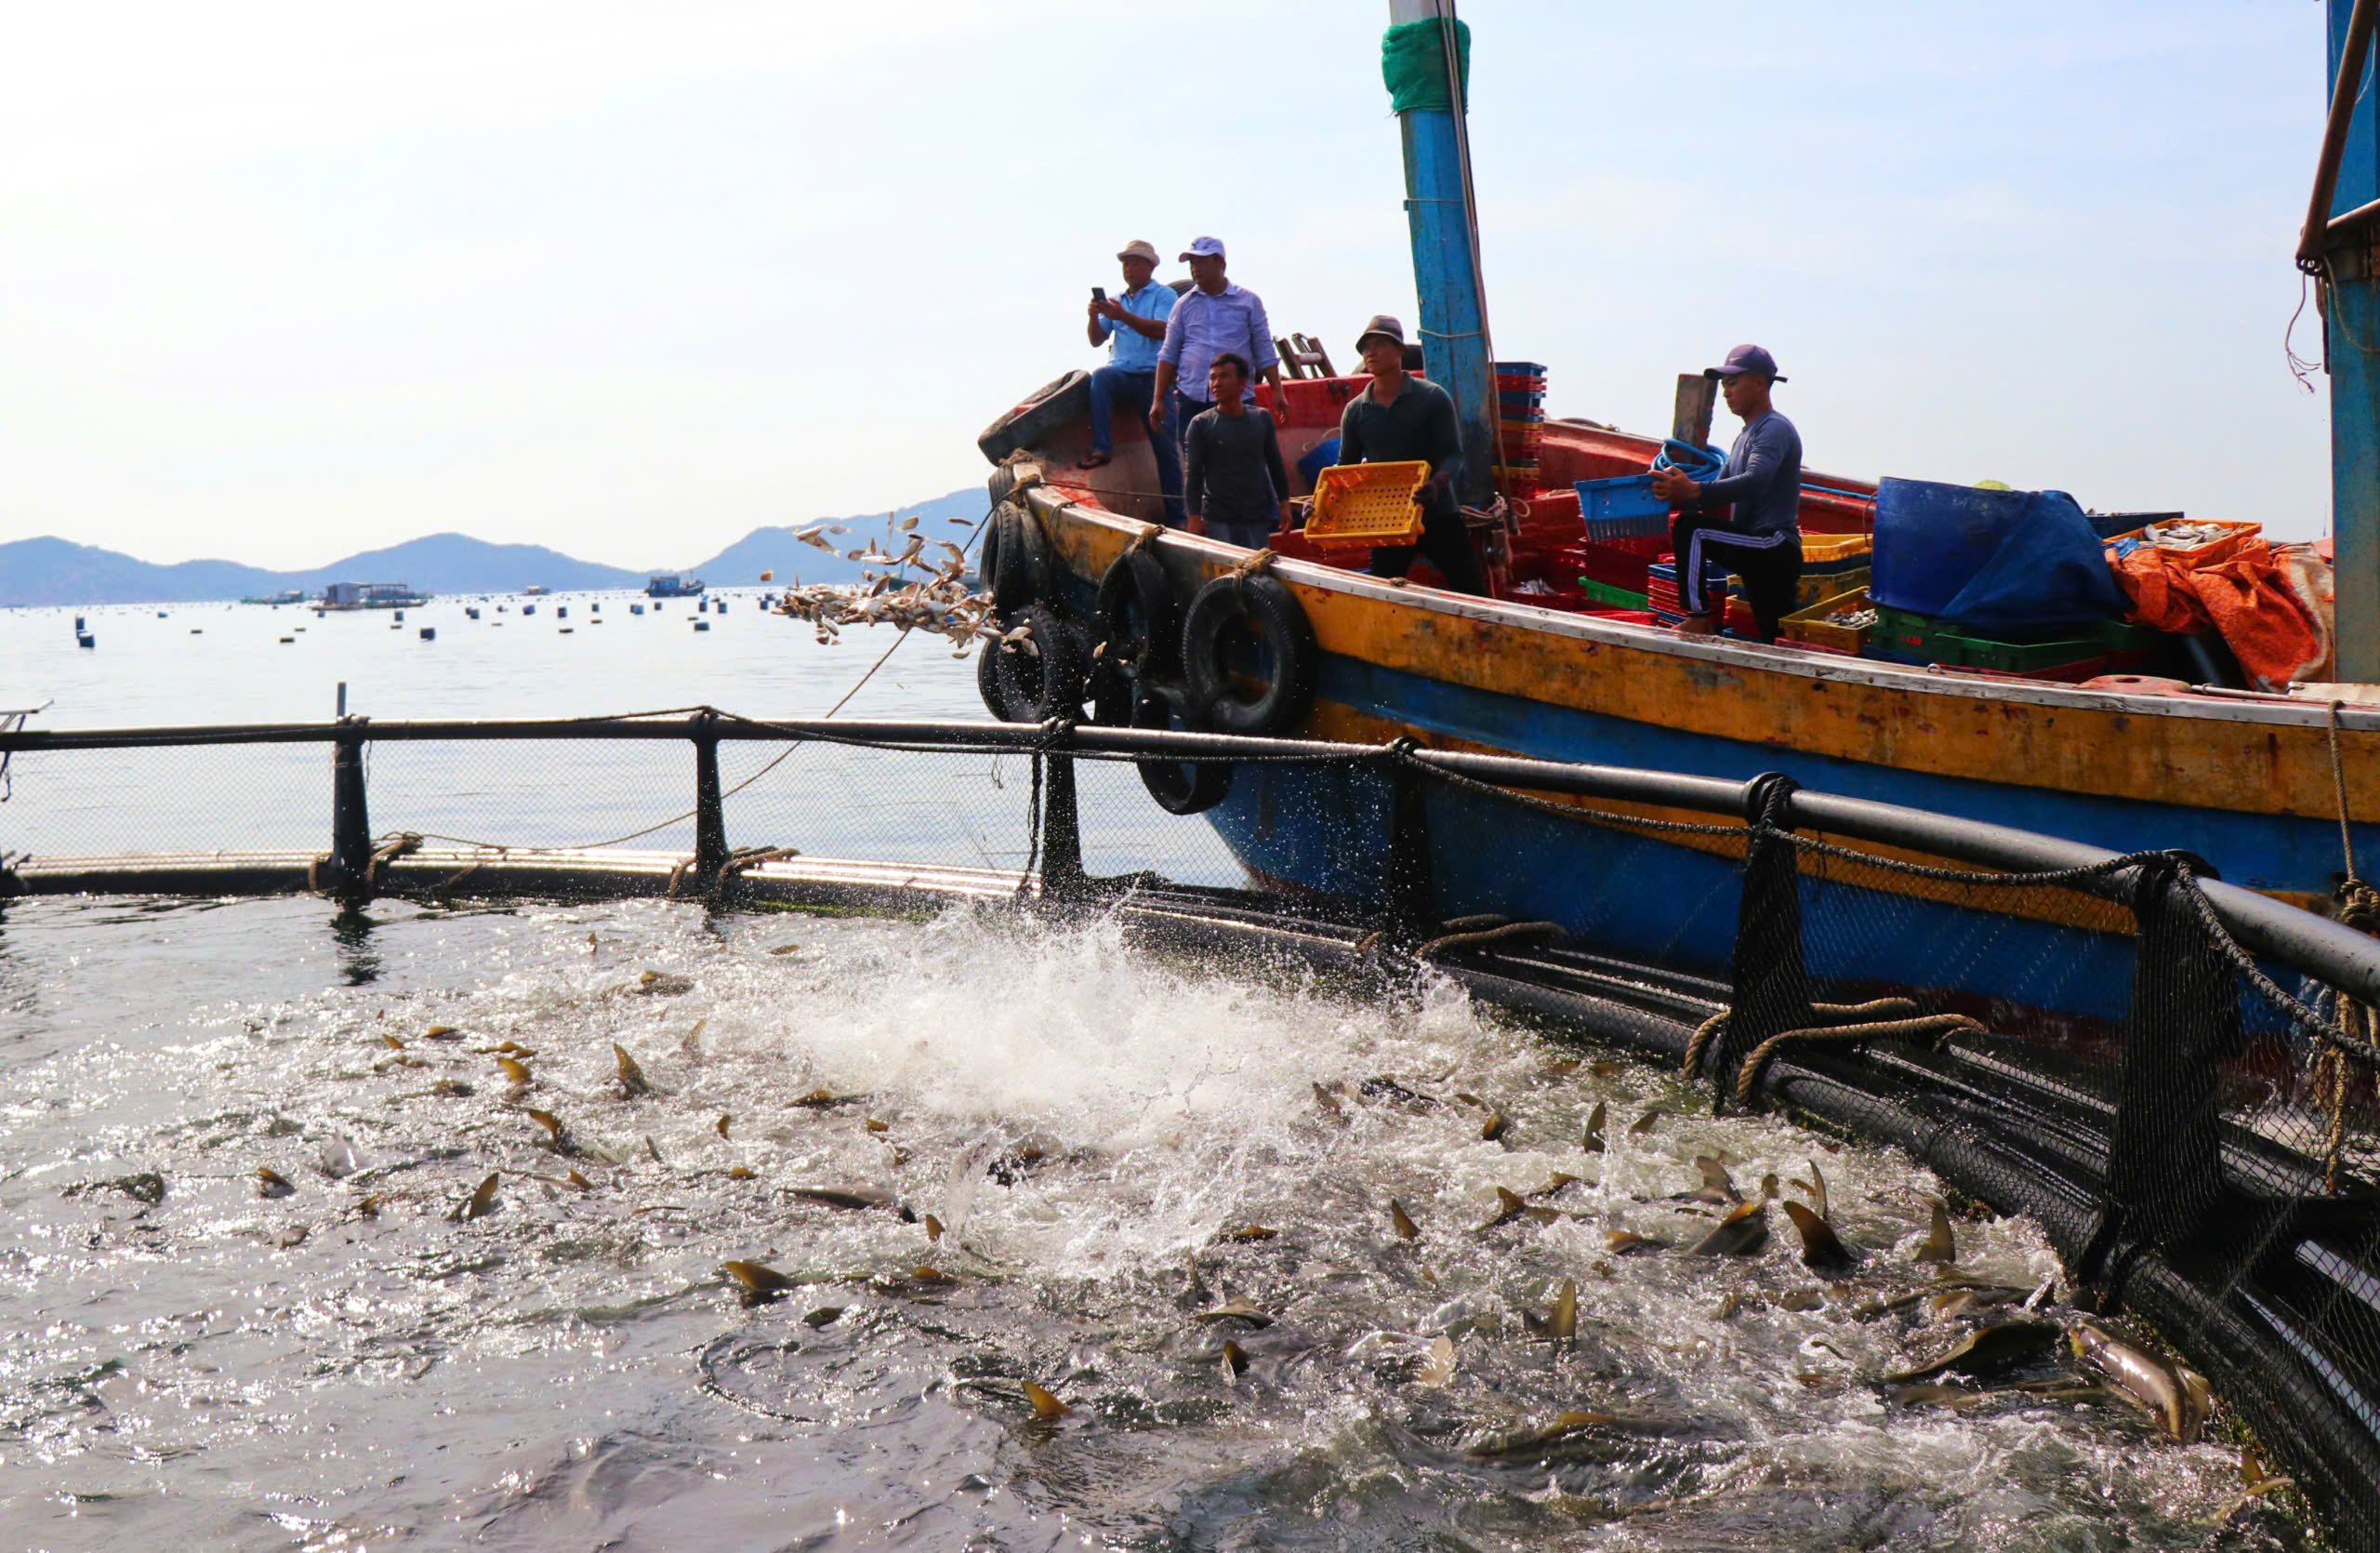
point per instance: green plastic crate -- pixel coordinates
(1609, 596)
(1905, 633)
(2014, 658)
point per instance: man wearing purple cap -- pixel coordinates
(1212, 317)
(1749, 520)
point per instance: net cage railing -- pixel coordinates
(2175, 1077)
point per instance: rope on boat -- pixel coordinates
(1931, 1027)
(1712, 1028)
(2338, 791)
(1474, 937)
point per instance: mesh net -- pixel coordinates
(2197, 1130)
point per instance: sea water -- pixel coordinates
(1117, 1150)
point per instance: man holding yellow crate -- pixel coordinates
(1398, 418)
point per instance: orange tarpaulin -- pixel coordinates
(2246, 596)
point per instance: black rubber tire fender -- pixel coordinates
(1044, 411)
(1139, 618)
(1051, 680)
(1264, 604)
(1017, 574)
(1179, 787)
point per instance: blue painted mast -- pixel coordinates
(2341, 246)
(1430, 96)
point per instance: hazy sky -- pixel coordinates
(281, 282)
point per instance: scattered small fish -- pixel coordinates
(1594, 1139)
(824, 1315)
(930, 1276)
(823, 1099)
(1402, 1222)
(482, 1198)
(850, 1198)
(1938, 1246)
(394, 1043)
(1815, 1190)
(783, 949)
(1045, 1404)
(1568, 1424)
(660, 984)
(1251, 1233)
(721, 1125)
(934, 1229)
(1554, 1184)
(690, 1043)
(760, 1281)
(1717, 1186)
(1560, 1323)
(1438, 1369)
(294, 1238)
(1822, 1249)
(581, 1181)
(631, 1077)
(1644, 1123)
(1234, 1360)
(514, 1069)
(1494, 1127)
(739, 1173)
(1237, 1310)
(556, 1137)
(875, 1125)
(1987, 1348)
(1742, 1232)
(271, 1183)
(1623, 1242)
(1509, 1206)
(442, 1032)
(654, 1149)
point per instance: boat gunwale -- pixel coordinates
(1743, 656)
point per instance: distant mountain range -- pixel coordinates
(54, 571)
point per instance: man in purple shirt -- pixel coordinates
(1212, 317)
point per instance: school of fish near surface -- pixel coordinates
(616, 1226)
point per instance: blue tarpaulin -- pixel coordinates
(1997, 562)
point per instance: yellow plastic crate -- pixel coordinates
(1367, 504)
(1811, 629)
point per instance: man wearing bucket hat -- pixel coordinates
(1749, 520)
(1132, 327)
(1398, 417)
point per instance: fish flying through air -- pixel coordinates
(632, 1080)
(1402, 1222)
(1822, 1249)
(1046, 1405)
(271, 1183)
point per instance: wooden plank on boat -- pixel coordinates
(1697, 398)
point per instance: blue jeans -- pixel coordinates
(1111, 385)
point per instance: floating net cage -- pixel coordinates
(2176, 1079)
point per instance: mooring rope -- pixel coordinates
(1710, 1028)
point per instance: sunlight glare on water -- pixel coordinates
(1102, 1134)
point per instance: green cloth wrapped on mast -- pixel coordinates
(1413, 62)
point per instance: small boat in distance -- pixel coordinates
(673, 585)
(371, 596)
(535, 590)
(287, 595)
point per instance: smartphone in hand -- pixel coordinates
(1098, 294)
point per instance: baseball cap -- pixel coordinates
(1137, 248)
(1744, 359)
(1202, 246)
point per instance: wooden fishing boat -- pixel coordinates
(2265, 788)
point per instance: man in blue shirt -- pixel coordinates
(1749, 520)
(1132, 327)
(1212, 317)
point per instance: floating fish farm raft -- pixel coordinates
(2173, 1076)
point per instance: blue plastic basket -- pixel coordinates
(1622, 508)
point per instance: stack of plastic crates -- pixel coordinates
(1661, 590)
(1520, 397)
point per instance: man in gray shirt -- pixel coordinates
(1749, 520)
(1232, 480)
